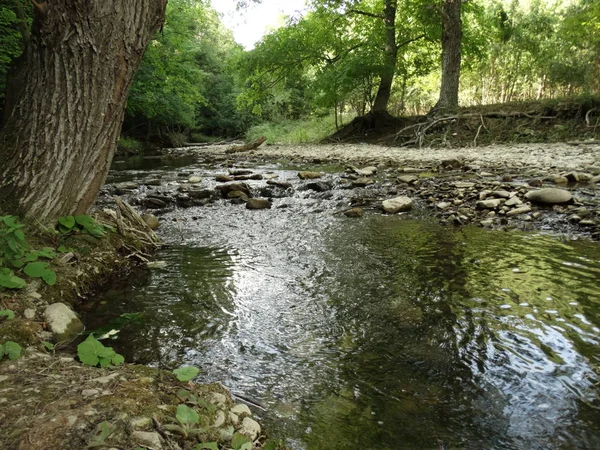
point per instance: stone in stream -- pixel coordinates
(126, 186)
(194, 179)
(258, 203)
(279, 184)
(549, 196)
(362, 182)
(151, 220)
(560, 180)
(489, 204)
(256, 176)
(154, 203)
(522, 210)
(223, 178)
(62, 322)
(231, 187)
(354, 212)
(396, 205)
(535, 182)
(318, 186)
(408, 179)
(366, 172)
(501, 194)
(513, 201)
(595, 179)
(237, 195)
(306, 175)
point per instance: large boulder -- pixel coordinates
(62, 322)
(396, 205)
(549, 196)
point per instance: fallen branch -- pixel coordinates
(246, 148)
(587, 118)
(207, 144)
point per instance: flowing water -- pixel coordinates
(384, 332)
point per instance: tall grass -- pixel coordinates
(304, 131)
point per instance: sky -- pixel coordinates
(252, 23)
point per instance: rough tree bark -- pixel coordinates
(59, 138)
(390, 58)
(451, 55)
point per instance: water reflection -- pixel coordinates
(380, 333)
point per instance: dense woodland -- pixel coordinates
(194, 79)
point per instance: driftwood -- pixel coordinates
(129, 223)
(246, 148)
(207, 144)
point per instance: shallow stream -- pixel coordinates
(384, 332)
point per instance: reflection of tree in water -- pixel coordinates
(183, 305)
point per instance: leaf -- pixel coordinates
(117, 359)
(7, 313)
(67, 222)
(49, 277)
(247, 446)
(49, 345)
(186, 415)
(91, 352)
(186, 373)
(64, 249)
(12, 282)
(12, 350)
(207, 445)
(36, 269)
(239, 440)
(270, 445)
(20, 235)
(9, 221)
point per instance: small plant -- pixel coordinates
(105, 429)
(186, 373)
(10, 349)
(82, 223)
(207, 446)
(92, 353)
(241, 442)
(10, 315)
(188, 422)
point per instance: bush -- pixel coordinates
(175, 139)
(129, 146)
(199, 138)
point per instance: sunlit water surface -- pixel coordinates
(377, 333)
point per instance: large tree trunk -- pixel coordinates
(451, 39)
(390, 59)
(59, 139)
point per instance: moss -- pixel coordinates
(21, 331)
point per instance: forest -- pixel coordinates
(314, 74)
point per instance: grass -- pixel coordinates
(129, 145)
(304, 131)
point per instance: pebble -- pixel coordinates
(89, 392)
(522, 210)
(151, 439)
(396, 205)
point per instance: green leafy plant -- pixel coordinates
(241, 442)
(105, 429)
(41, 270)
(207, 446)
(10, 315)
(48, 346)
(187, 422)
(186, 373)
(10, 349)
(92, 353)
(82, 223)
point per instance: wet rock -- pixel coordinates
(560, 180)
(408, 179)
(153, 182)
(514, 201)
(362, 182)
(305, 175)
(451, 164)
(587, 223)
(396, 205)
(489, 204)
(250, 428)
(501, 194)
(194, 179)
(549, 196)
(223, 178)
(443, 205)
(366, 172)
(354, 212)
(151, 220)
(147, 438)
(154, 203)
(200, 194)
(240, 409)
(62, 322)
(463, 185)
(535, 182)
(256, 176)
(318, 186)
(572, 177)
(237, 195)
(522, 210)
(126, 186)
(595, 179)
(507, 178)
(584, 177)
(232, 187)
(280, 184)
(258, 203)
(238, 172)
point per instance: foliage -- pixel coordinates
(82, 223)
(186, 373)
(302, 131)
(241, 442)
(16, 254)
(11, 39)
(10, 315)
(188, 422)
(105, 429)
(93, 353)
(129, 145)
(10, 349)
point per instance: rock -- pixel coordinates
(463, 185)
(522, 210)
(105, 380)
(219, 419)
(237, 172)
(154, 203)
(148, 438)
(535, 182)
(153, 182)
(396, 205)
(595, 179)
(451, 164)
(231, 187)
(486, 174)
(250, 428)
(408, 179)
(366, 172)
(151, 220)
(489, 204)
(218, 399)
(549, 196)
(560, 180)
(443, 205)
(140, 423)
(258, 203)
(280, 184)
(501, 194)
(305, 175)
(587, 223)
(237, 195)
(256, 176)
(584, 177)
(126, 186)
(240, 409)
(223, 178)
(194, 179)
(354, 212)
(318, 186)
(487, 223)
(62, 322)
(484, 194)
(362, 182)
(29, 313)
(156, 264)
(200, 194)
(514, 201)
(572, 177)
(89, 392)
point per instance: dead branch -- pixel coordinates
(479, 130)
(245, 148)
(587, 118)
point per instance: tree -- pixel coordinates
(60, 137)
(451, 41)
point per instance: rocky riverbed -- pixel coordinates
(549, 187)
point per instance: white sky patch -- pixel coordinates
(250, 24)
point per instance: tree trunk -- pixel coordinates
(451, 39)
(390, 59)
(59, 139)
